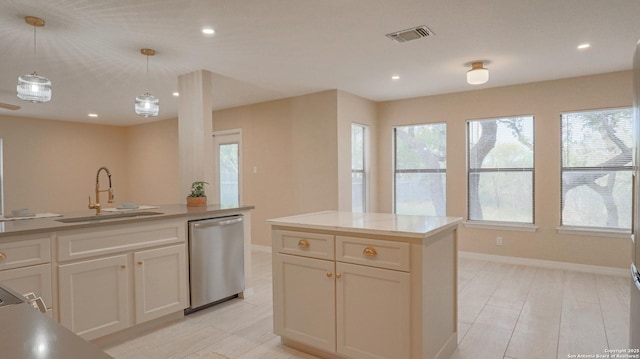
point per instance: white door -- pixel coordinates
(227, 167)
(373, 312)
(304, 300)
(94, 296)
(32, 279)
(160, 282)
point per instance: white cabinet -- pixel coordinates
(113, 278)
(160, 282)
(349, 295)
(25, 266)
(372, 312)
(304, 300)
(354, 310)
(94, 296)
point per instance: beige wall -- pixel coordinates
(544, 100)
(152, 163)
(314, 151)
(292, 145)
(50, 166)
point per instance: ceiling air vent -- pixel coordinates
(410, 34)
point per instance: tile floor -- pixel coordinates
(504, 311)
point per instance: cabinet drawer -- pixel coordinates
(304, 244)
(25, 252)
(117, 239)
(372, 252)
(34, 279)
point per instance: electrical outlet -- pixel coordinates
(498, 241)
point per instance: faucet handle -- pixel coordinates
(93, 205)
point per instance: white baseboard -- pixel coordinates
(260, 248)
(619, 272)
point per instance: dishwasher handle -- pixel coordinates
(217, 222)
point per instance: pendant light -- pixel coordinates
(34, 88)
(478, 74)
(147, 105)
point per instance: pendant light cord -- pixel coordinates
(147, 77)
(34, 41)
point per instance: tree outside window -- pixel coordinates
(500, 169)
(597, 168)
(420, 169)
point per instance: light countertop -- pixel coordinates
(43, 225)
(370, 223)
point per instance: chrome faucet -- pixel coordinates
(96, 205)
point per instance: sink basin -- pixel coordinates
(106, 217)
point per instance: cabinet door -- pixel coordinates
(373, 312)
(35, 279)
(94, 296)
(160, 282)
(304, 300)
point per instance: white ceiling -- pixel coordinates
(269, 49)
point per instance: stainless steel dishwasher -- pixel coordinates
(216, 260)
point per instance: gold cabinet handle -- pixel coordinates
(2, 256)
(139, 263)
(338, 275)
(123, 266)
(303, 243)
(370, 252)
(329, 274)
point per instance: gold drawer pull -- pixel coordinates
(338, 275)
(2, 256)
(303, 243)
(123, 266)
(139, 263)
(370, 252)
(329, 274)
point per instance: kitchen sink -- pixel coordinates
(107, 217)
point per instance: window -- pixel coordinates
(500, 169)
(228, 167)
(420, 169)
(358, 173)
(597, 169)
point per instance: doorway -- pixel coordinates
(228, 166)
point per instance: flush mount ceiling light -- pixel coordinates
(34, 88)
(583, 46)
(208, 31)
(147, 105)
(478, 74)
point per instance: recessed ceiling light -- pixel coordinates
(395, 77)
(176, 94)
(584, 46)
(208, 31)
(93, 115)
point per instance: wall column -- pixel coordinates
(195, 129)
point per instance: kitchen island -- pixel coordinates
(366, 285)
(109, 274)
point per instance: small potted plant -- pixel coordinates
(197, 197)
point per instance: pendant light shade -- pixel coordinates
(34, 88)
(478, 74)
(147, 105)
